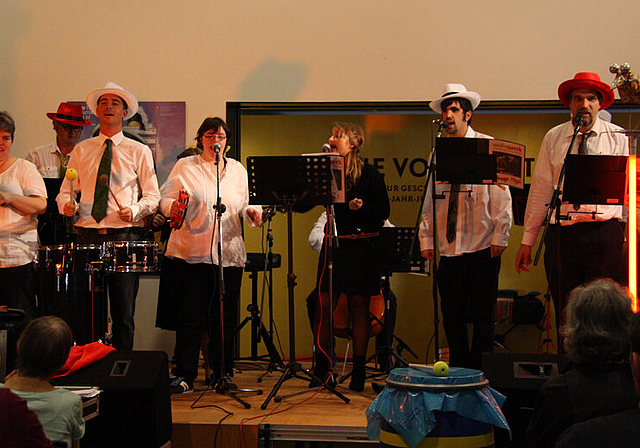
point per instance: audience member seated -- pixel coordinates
(599, 381)
(621, 430)
(19, 425)
(43, 348)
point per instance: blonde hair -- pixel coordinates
(354, 162)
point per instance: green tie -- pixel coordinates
(101, 196)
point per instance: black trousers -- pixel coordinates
(468, 286)
(123, 286)
(198, 310)
(18, 290)
(579, 253)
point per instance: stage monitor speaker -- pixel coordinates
(519, 377)
(135, 405)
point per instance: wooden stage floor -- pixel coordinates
(205, 418)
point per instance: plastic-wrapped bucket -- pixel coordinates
(419, 409)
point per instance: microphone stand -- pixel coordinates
(555, 203)
(431, 181)
(223, 386)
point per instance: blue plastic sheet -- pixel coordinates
(410, 412)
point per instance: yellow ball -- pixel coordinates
(71, 174)
(441, 368)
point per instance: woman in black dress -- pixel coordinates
(356, 265)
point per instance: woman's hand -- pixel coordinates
(355, 204)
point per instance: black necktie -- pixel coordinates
(582, 149)
(101, 196)
(452, 212)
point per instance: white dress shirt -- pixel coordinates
(606, 139)
(484, 216)
(18, 232)
(133, 181)
(196, 241)
(46, 158)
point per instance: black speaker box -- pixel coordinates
(519, 377)
(135, 405)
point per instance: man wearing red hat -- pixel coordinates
(51, 160)
(119, 187)
(589, 245)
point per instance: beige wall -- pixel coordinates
(207, 53)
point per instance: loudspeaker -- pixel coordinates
(135, 405)
(519, 377)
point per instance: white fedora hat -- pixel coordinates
(115, 89)
(455, 91)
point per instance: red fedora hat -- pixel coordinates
(586, 80)
(69, 114)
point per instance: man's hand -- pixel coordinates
(523, 259)
(126, 214)
(496, 250)
(427, 254)
(69, 209)
(255, 216)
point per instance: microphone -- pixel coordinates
(269, 212)
(441, 124)
(216, 147)
(579, 120)
(326, 147)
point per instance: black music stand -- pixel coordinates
(595, 179)
(293, 183)
(465, 161)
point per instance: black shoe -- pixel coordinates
(179, 385)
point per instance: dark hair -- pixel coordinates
(597, 316)
(464, 103)
(44, 347)
(7, 124)
(214, 123)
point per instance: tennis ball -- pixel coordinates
(71, 174)
(441, 368)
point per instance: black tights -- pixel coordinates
(360, 324)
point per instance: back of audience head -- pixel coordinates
(43, 347)
(597, 320)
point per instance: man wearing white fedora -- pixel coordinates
(472, 225)
(112, 162)
(589, 245)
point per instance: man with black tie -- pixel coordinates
(588, 245)
(472, 223)
(112, 161)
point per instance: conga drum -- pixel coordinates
(71, 285)
(418, 408)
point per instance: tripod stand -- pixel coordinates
(259, 332)
(308, 184)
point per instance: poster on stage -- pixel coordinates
(509, 162)
(161, 125)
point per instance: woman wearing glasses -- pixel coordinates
(193, 249)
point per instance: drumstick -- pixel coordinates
(105, 181)
(71, 175)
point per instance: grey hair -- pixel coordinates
(597, 321)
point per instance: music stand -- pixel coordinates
(595, 179)
(291, 182)
(465, 161)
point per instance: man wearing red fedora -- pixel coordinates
(590, 244)
(51, 159)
